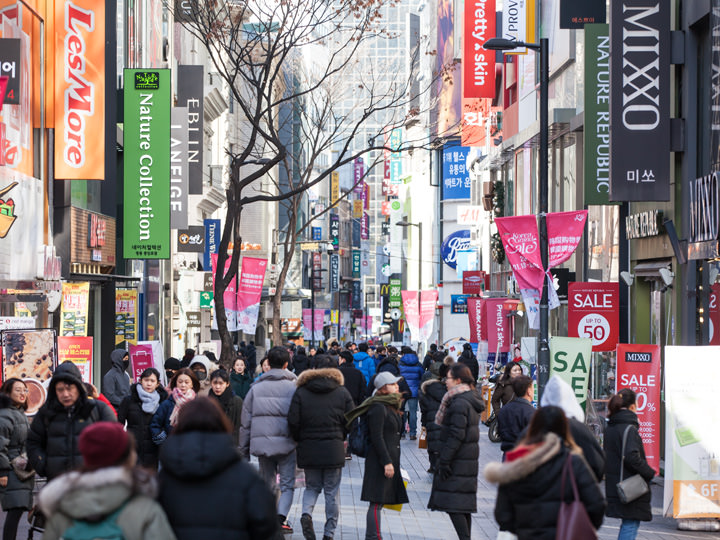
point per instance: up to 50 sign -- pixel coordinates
(593, 312)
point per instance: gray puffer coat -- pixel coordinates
(116, 382)
(14, 428)
(264, 429)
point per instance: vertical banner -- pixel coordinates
(498, 327)
(307, 320)
(365, 226)
(146, 223)
(334, 272)
(715, 94)
(141, 358)
(358, 175)
(478, 64)
(334, 229)
(426, 318)
(74, 312)
(79, 351)
(395, 156)
(190, 94)
(212, 241)
(179, 168)
(356, 263)
(594, 312)
(638, 368)
(692, 445)
(518, 22)
(412, 312)
(564, 231)
(455, 177)
(80, 89)
(229, 297)
(714, 314)
(579, 13)
(640, 100)
(570, 360)
(476, 309)
(357, 209)
(334, 187)
(126, 310)
(318, 324)
(520, 238)
(249, 292)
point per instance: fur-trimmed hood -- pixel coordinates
(425, 387)
(81, 495)
(317, 379)
(512, 471)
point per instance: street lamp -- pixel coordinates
(405, 223)
(501, 44)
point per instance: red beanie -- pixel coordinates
(103, 444)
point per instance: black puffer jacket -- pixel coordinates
(470, 360)
(592, 451)
(529, 494)
(301, 362)
(513, 418)
(52, 444)
(317, 418)
(138, 423)
(431, 394)
(232, 407)
(207, 491)
(635, 463)
(459, 450)
(354, 382)
(390, 364)
(13, 434)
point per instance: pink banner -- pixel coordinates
(519, 235)
(307, 324)
(141, 358)
(428, 301)
(229, 297)
(412, 311)
(498, 331)
(252, 276)
(475, 318)
(319, 323)
(564, 232)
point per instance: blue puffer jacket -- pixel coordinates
(365, 364)
(412, 372)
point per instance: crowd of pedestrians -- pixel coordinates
(294, 417)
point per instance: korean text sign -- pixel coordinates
(455, 177)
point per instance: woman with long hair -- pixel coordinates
(229, 403)
(15, 493)
(240, 379)
(184, 387)
(622, 419)
(454, 488)
(503, 391)
(530, 480)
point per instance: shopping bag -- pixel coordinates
(406, 478)
(422, 439)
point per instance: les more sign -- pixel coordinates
(593, 312)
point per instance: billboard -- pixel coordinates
(478, 64)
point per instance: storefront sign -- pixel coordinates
(80, 90)
(190, 95)
(518, 22)
(498, 331)
(126, 315)
(570, 360)
(356, 263)
(455, 177)
(457, 241)
(640, 100)
(357, 209)
(396, 158)
(10, 68)
(191, 240)
(594, 313)
(470, 215)
(252, 276)
(638, 368)
(478, 64)
(365, 226)
(317, 233)
(459, 303)
(579, 13)
(715, 87)
(334, 272)
(79, 351)
(475, 282)
(74, 313)
(17, 323)
(395, 294)
(704, 195)
(644, 224)
(179, 172)
(92, 238)
(334, 187)
(147, 164)
(212, 240)
(714, 309)
(206, 300)
(193, 319)
(358, 175)
(334, 229)
(476, 318)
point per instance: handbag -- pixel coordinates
(573, 522)
(19, 465)
(633, 487)
(422, 439)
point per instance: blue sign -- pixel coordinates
(317, 233)
(455, 177)
(212, 240)
(458, 303)
(457, 241)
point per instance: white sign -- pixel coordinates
(17, 323)
(515, 23)
(470, 215)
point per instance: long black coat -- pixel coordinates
(592, 451)
(138, 423)
(13, 434)
(207, 491)
(317, 418)
(635, 463)
(354, 382)
(431, 394)
(529, 496)
(232, 407)
(459, 450)
(471, 361)
(384, 425)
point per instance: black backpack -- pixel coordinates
(359, 438)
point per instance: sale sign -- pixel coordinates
(141, 358)
(714, 314)
(638, 368)
(564, 230)
(520, 238)
(594, 312)
(570, 360)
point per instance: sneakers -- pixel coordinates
(307, 527)
(285, 526)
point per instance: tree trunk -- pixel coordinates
(277, 299)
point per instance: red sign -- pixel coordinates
(3, 86)
(478, 64)
(79, 350)
(715, 314)
(564, 231)
(478, 330)
(593, 312)
(498, 331)
(520, 238)
(475, 282)
(638, 368)
(141, 358)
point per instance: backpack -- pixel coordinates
(359, 437)
(105, 529)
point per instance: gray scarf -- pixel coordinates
(150, 402)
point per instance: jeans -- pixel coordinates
(411, 406)
(628, 529)
(270, 468)
(328, 480)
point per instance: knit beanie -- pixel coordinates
(103, 444)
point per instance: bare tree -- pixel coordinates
(261, 50)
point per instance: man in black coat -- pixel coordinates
(515, 416)
(52, 443)
(353, 377)
(317, 422)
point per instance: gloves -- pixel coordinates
(443, 471)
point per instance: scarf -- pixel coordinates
(459, 389)
(150, 401)
(180, 400)
(224, 399)
(393, 400)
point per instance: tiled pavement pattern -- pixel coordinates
(416, 522)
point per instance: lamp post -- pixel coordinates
(501, 44)
(405, 223)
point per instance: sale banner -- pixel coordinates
(252, 276)
(498, 327)
(79, 351)
(229, 297)
(638, 368)
(428, 301)
(692, 444)
(520, 238)
(594, 312)
(73, 316)
(141, 358)
(570, 360)
(564, 232)
(412, 312)
(714, 312)
(126, 312)
(476, 311)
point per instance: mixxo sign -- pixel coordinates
(594, 312)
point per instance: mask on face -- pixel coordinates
(169, 374)
(126, 363)
(200, 374)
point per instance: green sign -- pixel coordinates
(206, 300)
(597, 114)
(395, 296)
(356, 263)
(146, 195)
(570, 360)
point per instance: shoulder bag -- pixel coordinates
(573, 520)
(633, 487)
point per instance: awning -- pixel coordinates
(651, 270)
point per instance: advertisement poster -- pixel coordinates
(249, 292)
(307, 324)
(79, 350)
(126, 306)
(426, 322)
(475, 307)
(412, 312)
(564, 231)
(229, 297)
(459, 303)
(30, 355)
(73, 317)
(318, 324)
(520, 238)
(594, 312)
(455, 177)
(141, 358)
(498, 325)
(714, 311)
(692, 439)
(638, 368)
(478, 64)
(570, 360)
